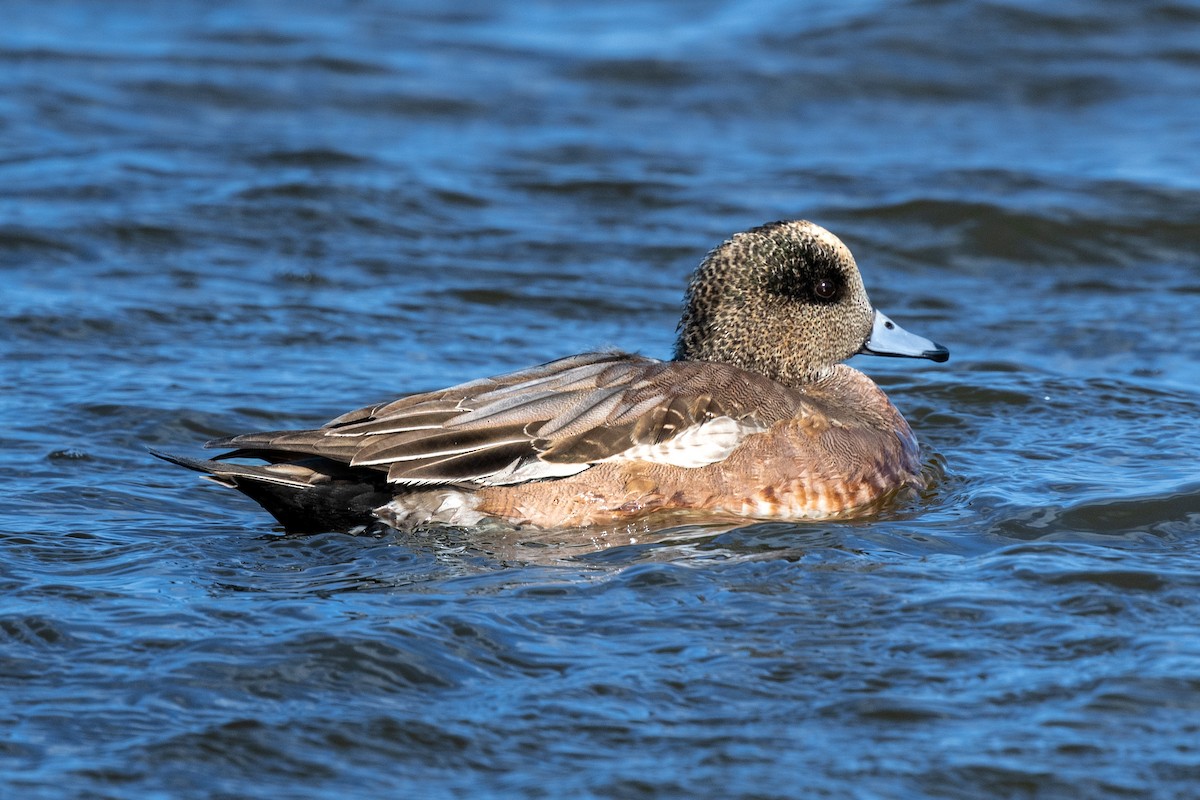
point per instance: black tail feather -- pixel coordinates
(311, 496)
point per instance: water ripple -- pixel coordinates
(235, 217)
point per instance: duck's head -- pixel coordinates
(786, 300)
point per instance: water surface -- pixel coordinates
(225, 217)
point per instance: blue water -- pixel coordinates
(221, 217)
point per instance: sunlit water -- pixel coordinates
(228, 217)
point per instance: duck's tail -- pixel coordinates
(307, 495)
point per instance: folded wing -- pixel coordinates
(549, 421)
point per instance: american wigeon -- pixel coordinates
(754, 416)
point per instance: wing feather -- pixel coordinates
(547, 421)
(438, 444)
(458, 468)
(517, 407)
(593, 409)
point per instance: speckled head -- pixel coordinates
(786, 300)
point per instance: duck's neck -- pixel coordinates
(705, 349)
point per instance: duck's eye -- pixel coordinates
(807, 277)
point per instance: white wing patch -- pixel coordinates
(525, 470)
(696, 446)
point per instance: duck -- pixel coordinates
(755, 416)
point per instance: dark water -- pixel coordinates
(217, 217)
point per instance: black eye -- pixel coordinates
(805, 275)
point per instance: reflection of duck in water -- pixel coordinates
(754, 417)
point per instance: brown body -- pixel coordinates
(811, 466)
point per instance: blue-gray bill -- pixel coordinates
(889, 339)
